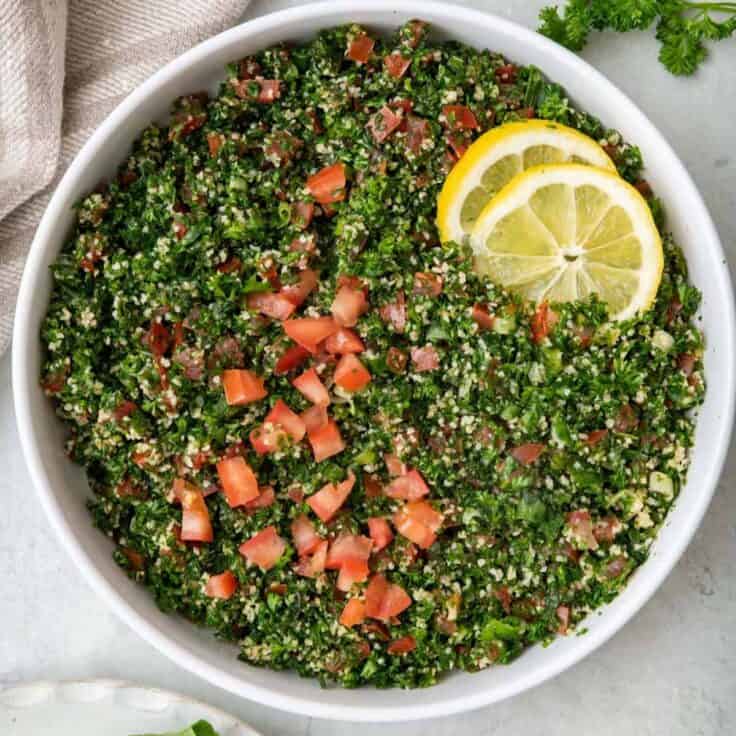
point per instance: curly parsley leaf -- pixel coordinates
(683, 27)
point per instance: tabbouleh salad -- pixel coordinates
(308, 425)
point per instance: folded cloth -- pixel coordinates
(63, 68)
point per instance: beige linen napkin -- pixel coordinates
(63, 68)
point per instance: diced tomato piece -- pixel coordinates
(380, 532)
(344, 341)
(543, 321)
(394, 465)
(606, 529)
(312, 388)
(594, 437)
(315, 418)
(326, 441)
(423, 512)
(242, 387)
(271, 304)
(303, 212)
(158, 339)
(459, 117)
(402, 646)
(425, 359)
(409, 487)
(348, 305)
(284, 417)
(292, 358)
(563, 616)
(348, 547)
(215, 142)
(506, 74)
(360, 48)
(427, 283)
(351, 572)
(238, 481)
(396, 65)
(353, 613)
(328, 184)
(270, 90)
(327, 501)
(418, 522)
(396, 360)
(309, 332)
(581, 528)
(264, 548)
(417, 132)
(306, 539)
(686, 363)
(627, 419)
(195, 518)
(268, 438)
(351, 374)
(263, 500)
(528, 453)
(395, 312)
(310, 567)
(384, 600)
(221, 586)
(298, 293)
(482, 317)
(382, 123)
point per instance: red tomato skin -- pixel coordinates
(303, 214)
(425, 359)
(268, 438)
(195, 517)
(292, 358)
(284, 417)
(328, 184)
(311, 387)
(306, 539)
(482, 317)
(309, 332)
(221, 586)
(264, 549)
(528, 453)
(396, 65)
(326, 441)
(242, 387)
(328, 500)
(351, 374)
(297, 293)
(344, 341)
(315, 418)
(351, 572)
(382, 123)
(413, 530)
(238, 481)
(263, 500)
(353, 613)
(380, 533)
(348, 305)
(348, 547)
(360, 48)
(460, 117)
(271, 304)
(409, 487)
(384, 600)
(543, 322)
(404, 645)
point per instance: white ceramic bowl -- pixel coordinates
(62, 487)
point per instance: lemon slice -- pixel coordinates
(563, 231)
(496, 157)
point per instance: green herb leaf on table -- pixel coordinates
(200, 728)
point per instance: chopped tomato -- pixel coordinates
(418, 522)
(396, 360)
(396, 65)
(344, 341)
(427, 283)
(215, 142)
(425, 359)
(292, 358)
(326, 441)
(348, 547)
(351, 374)
(328, 184)
(402, 646)
(482, 317)
(315, 418)
(382, 123)
(238, 481)
(348, 305)
(373, 486)
(270, 90)
(417, 132)
(360, 48)
(327, 501)
(627, 419)
(158, 339)
(242, 387)
(686, 363)
(282, 416)
(384, 600)
(459, 117)
(581, 528)
(309, 332)
(303, 212)
(594, 437)
(353, 613)
(271, 304)
(264, 548)
(528, 453)
(312, 388)
(380, 532)
(409, 487)
(563, 616)
(506, 74)
(310, 567)
(221, 586)
(394, 465)
(306, 539)
(606, 529)
(543, 321)
(395, 312)
(263, 500)
(195, 518)
(351, 572)
(268, 438)
(298, 293)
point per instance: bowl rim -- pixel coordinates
(25, 337)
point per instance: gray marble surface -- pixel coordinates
(671, 670)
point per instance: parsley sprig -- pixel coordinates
(682, 27)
